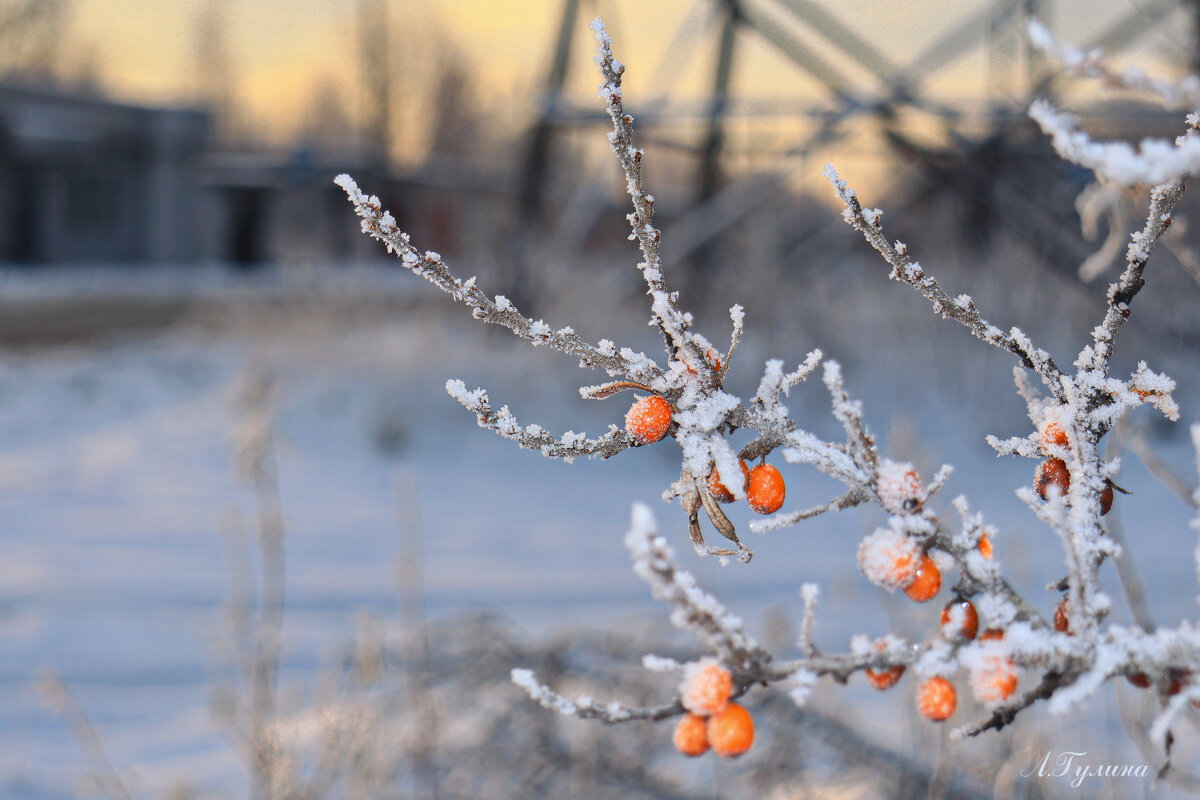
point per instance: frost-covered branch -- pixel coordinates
(1183, 94)
(961, 309)
(569, 446)
(1154, 162)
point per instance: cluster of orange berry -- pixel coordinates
(993, 679)
(649, 420)
(763, 487)
(1053, 475)
(712, 721)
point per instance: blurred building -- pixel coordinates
(86, 179)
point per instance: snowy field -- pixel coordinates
(117, 482)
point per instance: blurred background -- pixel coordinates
(252, 549)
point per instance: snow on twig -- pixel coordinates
(961, 309)
(568, 447)
(1154, 162)
(1181, 94)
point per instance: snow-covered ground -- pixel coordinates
(116, 481)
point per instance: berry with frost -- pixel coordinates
(713, 358)
(1053, 435)
(1062, 623)
(995, 679)
(899, 488)
(936, 699)
(1139, 679)
(705, 687)
(766, 490)
(889, 558)
(731, 732)
(691, 735)
(985, 546)
(884, 678)
(1052, 476)
(718, 489)
(648, 419)
(960, 620)
(926, 582)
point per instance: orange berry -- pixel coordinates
(1054, 435)
(1178, 679)
(731, 732)
(766, 491)
(927, 581)
(705, 687)
(649, 419)
(1106, 498)
(885, 678)
(691, 735)
(985, 546)
(995, 682)
(1062, 623)
(960, 620)
(936, 699)
(1139, 679)
(997, 679)
(899, 488)
(889, 558)
(1051, 472)
(718, 489)
(713, 358)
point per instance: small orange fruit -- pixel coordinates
(995, 681)
(885, 678)
(1054, 435)
(1062, 623)
(731, 732)
(705, 687)
(1178, 679)
(649, 419)
(766, 491)
(1139, 679)
(936, 699)
(985, 546)
(691, 735)
(713, 358)
(899, 488)
(927, 581)
(960, 620)
(718, 489)
(1052, 473)
(1106, 498)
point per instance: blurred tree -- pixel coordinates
(31, 32)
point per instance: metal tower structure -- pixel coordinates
(898, 92)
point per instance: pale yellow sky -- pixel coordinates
(281, 50)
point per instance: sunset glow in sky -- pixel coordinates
(281, 50)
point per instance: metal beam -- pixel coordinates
(710, 150)
(843, 37)
(537, 156)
